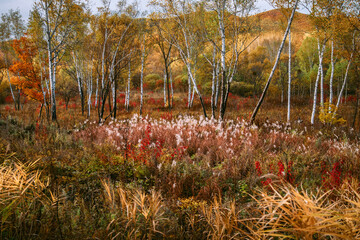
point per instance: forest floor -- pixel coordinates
(177, 175)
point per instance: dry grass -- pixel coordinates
(136, 215)
(178, 178)
(21, 191)
(287, 212)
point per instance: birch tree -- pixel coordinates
(144, 38)
(11, 27)
(321, 15)
(232, 20)
(115, 36)
(285, 7)
(253, 116)
(59, 19)
(35, 31)
(164, 40)
(186, 42)
(351, 51)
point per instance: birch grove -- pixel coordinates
(187, 54)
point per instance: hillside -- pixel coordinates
(273, 24)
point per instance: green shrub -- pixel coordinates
(151, 79)
(242, 89)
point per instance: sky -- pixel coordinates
(26, 5)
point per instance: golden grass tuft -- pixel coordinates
(286, 212)
(135, 214)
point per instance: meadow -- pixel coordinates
(193, 120)
(177, 175)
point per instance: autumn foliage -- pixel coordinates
(26, 72)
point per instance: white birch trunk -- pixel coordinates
(52, 87)
(47, 83)
(11, 90)
(189, 91)
(321, 85)
(331, 95)
(223, 59)
(289, 82)
(194, 85)
(217, 85)
(113, 91)
(343, 86)
(128, 88)
(321, 51)
(51, 64)
(192, 97)
(89, 91)
(315, 97)
(213, 84)
(79, 81)
(97, 91)
(142, 76)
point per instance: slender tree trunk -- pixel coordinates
(192, 97)
(41, 108)
(167, 74)
(189, 92)
(109, 100)
(44, 94)
(165, 77)
(213, 84)
(343, 86)
(331, 76)
(196, 89)
(52, 66)
(47, 83)
(89, 103)
(102, 102)
(252, 119)
(128, 89)
(81, 91)
(217, 86)
(19, 95)
(114, 88)
(89, 91)
(43, 91)
(52, 89)
(315, 97)
(79, 80)
(223, 64)
(11, 90)
(172, 89)
(97, 91)
(321, 86)
(20, 106)
(289, 82)
(321, 52)
(142, 77)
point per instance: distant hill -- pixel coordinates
(276, 20)
(273, 24)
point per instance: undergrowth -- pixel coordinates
(178, 178)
